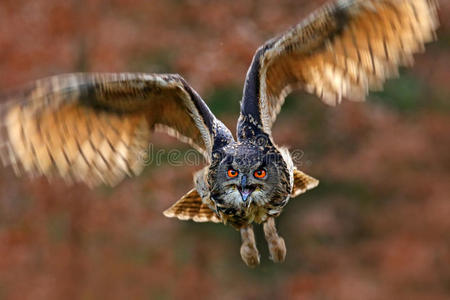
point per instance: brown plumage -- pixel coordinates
(302, 183)
(95, 128)
(343, 50)
(191, 207)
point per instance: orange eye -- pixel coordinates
(260, 173)
(232, 173)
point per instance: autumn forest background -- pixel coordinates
(377, 227)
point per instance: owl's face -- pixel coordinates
(245, 177)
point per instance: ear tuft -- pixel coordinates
(302, 183)
(191, 207)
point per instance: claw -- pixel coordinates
(249, 252)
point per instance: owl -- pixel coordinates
(94, 127)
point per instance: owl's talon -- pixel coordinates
(277, 250)
(277, 246)
(249, 252)
(250, 255)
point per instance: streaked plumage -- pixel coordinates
(94, 128)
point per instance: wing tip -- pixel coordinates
(303, 183)
(169, 213)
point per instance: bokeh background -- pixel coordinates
(377, 227)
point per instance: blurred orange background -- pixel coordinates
(377, 227)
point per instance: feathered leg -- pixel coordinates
(277, 247)
(249, 252)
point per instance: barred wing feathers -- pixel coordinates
(191, 207)
(344, 49)
(95, 128)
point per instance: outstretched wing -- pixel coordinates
(344, 49)
(96, 128)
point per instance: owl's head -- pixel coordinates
(244, 176)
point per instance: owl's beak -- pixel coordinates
(244, 189)
(245, 193)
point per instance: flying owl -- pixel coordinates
(93, 128)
